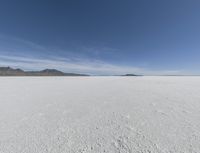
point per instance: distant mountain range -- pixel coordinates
(8, 71)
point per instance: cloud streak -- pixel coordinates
(37, 57)
(77, 65)
(64, 64)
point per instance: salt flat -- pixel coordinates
(99, 114)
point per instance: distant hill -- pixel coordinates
(131, 75)
(8, 71)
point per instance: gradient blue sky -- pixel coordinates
(101, 36)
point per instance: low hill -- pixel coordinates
(131, 75)
(8, 71)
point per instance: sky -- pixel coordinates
(102, 37)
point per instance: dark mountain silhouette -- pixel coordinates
(8, 71)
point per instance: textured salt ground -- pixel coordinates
(99, 114)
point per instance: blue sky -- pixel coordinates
(101, 37)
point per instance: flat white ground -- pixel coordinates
(99, 114)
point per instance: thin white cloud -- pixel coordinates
(19, 41)
(77, 65)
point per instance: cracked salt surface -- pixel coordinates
(99, 114)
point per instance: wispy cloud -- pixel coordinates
(78, 65)
(67, 65)
(37, 57)
(19, 41)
